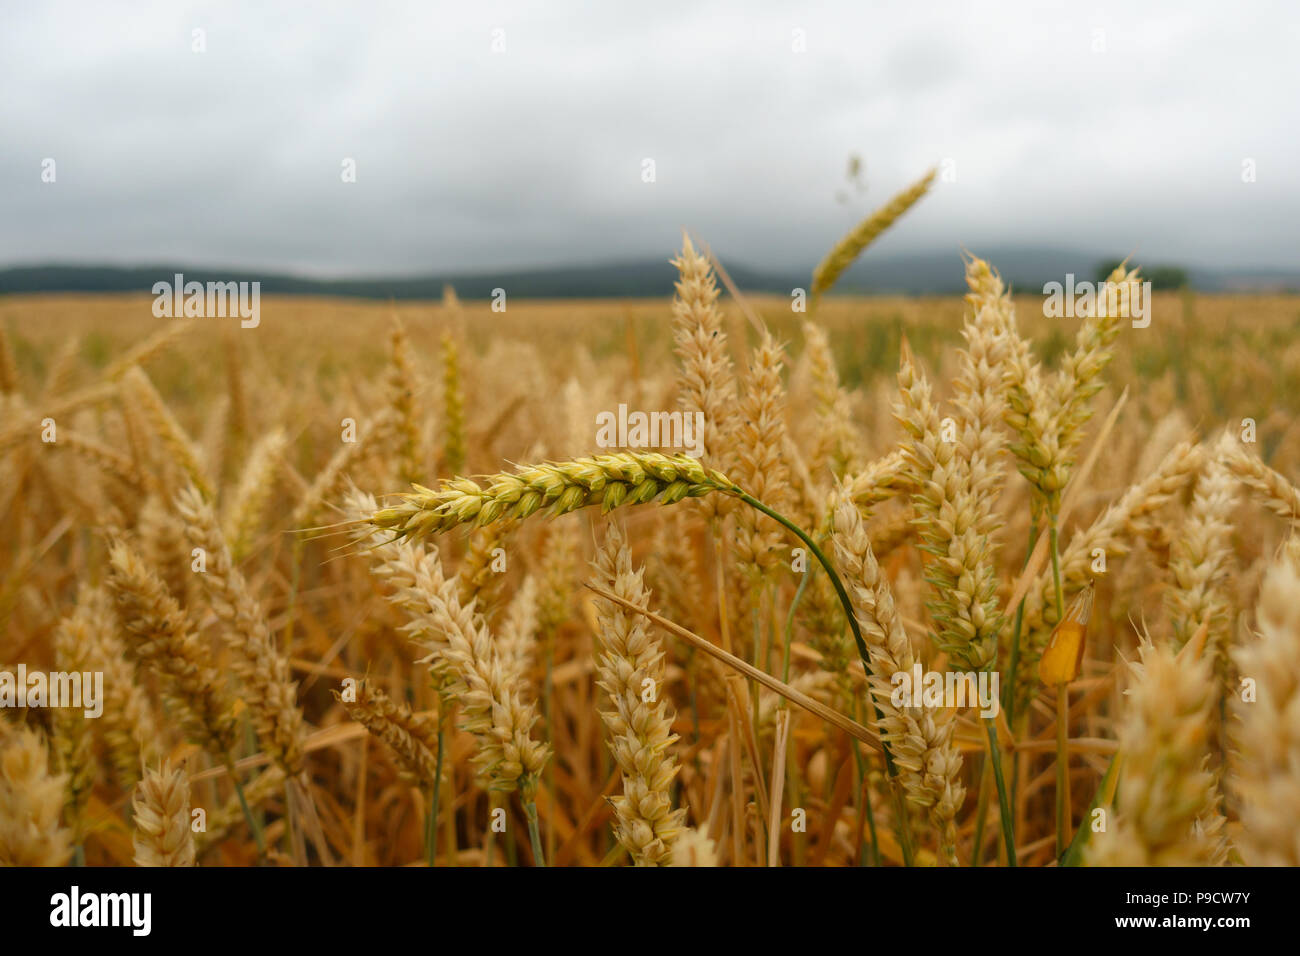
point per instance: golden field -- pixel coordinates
(479, 674)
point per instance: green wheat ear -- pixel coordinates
(607, 481)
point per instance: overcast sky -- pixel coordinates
(1114, 127)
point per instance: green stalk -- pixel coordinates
(1062, 710)
(1004, 804)
(490, 838)
(1104, 795)
(248, 814)
(298, 544)
(864, 794)
(431, 832)
(1056, 571)
(760, 651)
(981, 811)
(534, 836)
(1062, 769)
(548, 687)
(1009, 693)
(789, 627)
(871, 819)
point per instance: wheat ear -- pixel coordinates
(630, 666)
(1200, 561)
(517, 634)
(159, 635)
(412, 738)
(243, 514)
(705, 378)
(835, 451)
(129, 727)
(31, 801)
(73, 742)
(694, 848)
(177, 444)
(609, 481)
(1271, 488)
(850, 247)
(920, 738)
(271, 693)
(954, 505)
(453, 407)
(1166, 808)
(463, 658)
(1266, 734)
(760, 466)
(162, 819)
(399, 385)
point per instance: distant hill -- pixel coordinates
(927, 273)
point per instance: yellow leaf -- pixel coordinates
(1061, 661)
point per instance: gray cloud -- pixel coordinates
(468, 158)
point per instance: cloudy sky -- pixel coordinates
(1114, 127)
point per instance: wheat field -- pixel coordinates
(366, 587)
